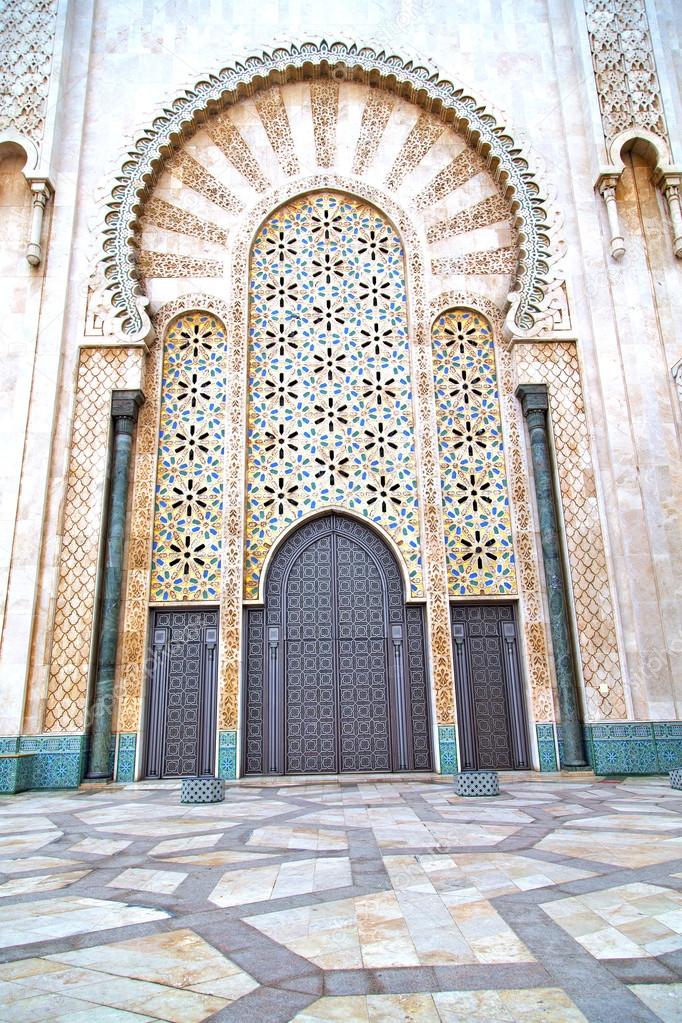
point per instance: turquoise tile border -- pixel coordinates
(125, 756)
(447, 748)
(59, 761)
(227, 755)
(547, 749)
(668, 740)
(15, 772)
(625, 747)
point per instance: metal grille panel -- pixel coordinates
(182, 697)
(336, 674)
(490, 701)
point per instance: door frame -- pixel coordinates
(397, 652)
(154, 728)
(518, 724)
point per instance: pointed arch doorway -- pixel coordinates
(335, 665)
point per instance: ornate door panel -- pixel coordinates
(180, 727)
(490, 704)
(310, 715)
(335, 674)
(364, 731)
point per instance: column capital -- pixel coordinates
(533, 398)
(607, 180)
(126, 404)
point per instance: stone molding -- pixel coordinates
(624, 68)
(506, 158)
(631, 107)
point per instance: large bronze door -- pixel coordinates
(181, 704)
(490, 705)
(336, 676)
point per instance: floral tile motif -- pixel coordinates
(330, 419)
(186, 553)
(478, 534)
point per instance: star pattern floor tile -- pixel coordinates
(560, 901)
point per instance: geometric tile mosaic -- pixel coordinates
(186, 555)
(399, 882)
(478, 534)
(330, 418)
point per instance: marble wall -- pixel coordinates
(122, 61)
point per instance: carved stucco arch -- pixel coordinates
(508, 162)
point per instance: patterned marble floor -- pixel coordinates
(557, 902)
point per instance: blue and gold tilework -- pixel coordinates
(330, 403)
(478, 534)
(189, 492)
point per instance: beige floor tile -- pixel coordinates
(24, 845)
(630, 822)
(42, 883)
(623, 849)
(408, 1008)
(340, 1009)
(623, 922)
(99, 846)
(138, 879)
(18, 825)
(178, 958)
(663, 999)
(217, 858)
(174, 845)
(284, 837)
(59, 918)
(39, 1008)
(167, 1003)
(533, 1005)
(23, 866)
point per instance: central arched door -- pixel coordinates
(336, 676)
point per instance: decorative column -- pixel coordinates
(669, 181)
(606, 185)
(535, 406)
(41, 190)
(125, 406)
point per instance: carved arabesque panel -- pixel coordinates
(100, 371)
(27, 38)
(624, 67)
(556, 364)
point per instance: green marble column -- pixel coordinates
(535, 406)
(124, 409)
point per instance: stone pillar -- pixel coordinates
(670, 182)
(535, 406)
(41, 190)
(124, 409)
(606, 185)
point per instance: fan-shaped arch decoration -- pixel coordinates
(530, 262)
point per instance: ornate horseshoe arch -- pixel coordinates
(530, 305)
